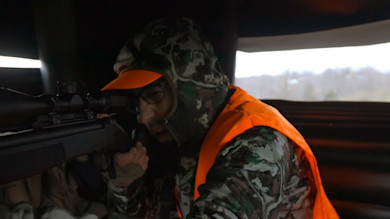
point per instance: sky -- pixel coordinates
(314, 60)
(13, 62)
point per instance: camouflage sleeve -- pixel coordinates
(122, 201)
(144, 198)
(52, 194)
(17, 211)
(151, 195)
(127, 202)
(259, 174)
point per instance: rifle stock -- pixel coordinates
(33, 152)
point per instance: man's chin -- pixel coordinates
(164, 137)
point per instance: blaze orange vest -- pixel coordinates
(242, 113)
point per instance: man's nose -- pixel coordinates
(146, 112)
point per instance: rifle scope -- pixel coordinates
(18, 109)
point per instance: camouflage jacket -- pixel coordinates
(260, 161)
(279, 176)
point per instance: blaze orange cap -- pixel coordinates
(132, 79)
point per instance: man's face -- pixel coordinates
(154, 102)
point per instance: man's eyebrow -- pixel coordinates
(136, 91)
(139, 91)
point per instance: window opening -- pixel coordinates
(360, 73)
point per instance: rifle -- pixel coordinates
(41, 132)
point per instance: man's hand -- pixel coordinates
(131, 165)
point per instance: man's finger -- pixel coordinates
(144, 162)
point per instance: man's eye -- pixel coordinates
(153, 95)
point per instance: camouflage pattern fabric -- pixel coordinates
(260, 174)
(52, 194)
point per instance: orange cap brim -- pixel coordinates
(132, 79)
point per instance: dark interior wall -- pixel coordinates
(17, 35)
(14, 78)
(124, 18)
(79, 40)
(279, 17)
(55, 26)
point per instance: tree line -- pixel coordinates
(365, 84)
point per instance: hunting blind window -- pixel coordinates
(360, 73)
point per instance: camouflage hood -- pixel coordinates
(177, 50)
